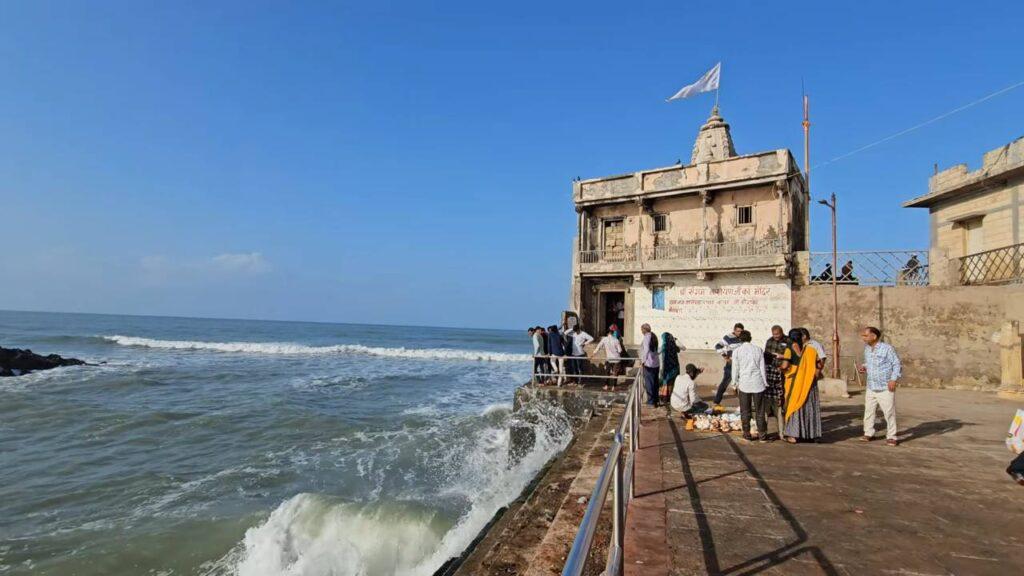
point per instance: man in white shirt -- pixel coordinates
(749, 377)
(684, 394)
(538, 352)
(579, 340)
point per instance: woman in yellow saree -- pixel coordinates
(803, 407)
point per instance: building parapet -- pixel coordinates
(676, 180)
(998, 164)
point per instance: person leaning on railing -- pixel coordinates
(539, 352)
(556, 349)
(612, 347)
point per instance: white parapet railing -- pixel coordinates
(611, 255)
(700, 251)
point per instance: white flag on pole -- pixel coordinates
(707, 83)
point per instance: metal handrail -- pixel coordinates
(539, 377)
(616, 475)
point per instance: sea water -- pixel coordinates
(223, 447)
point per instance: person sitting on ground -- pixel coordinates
(685, 399)
(613, 350)
(749, 377)
(728, 343)
(670, 350)
(846, 274)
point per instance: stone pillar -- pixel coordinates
(801, 268)
(1010, 360)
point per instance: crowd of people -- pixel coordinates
(778, 381)
(559, 355)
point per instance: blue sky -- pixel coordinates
(410, 163)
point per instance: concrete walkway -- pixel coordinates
(939, 504)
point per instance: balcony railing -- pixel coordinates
(700, 251)
(615, 255)
(999, 266)
(884, 268)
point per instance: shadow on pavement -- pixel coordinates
(763, 561)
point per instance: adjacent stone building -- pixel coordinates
(973, 214)
(691, 248)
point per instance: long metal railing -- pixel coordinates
(871, 268)
(571, 376)
(616, 476)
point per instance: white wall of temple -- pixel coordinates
(699, 312)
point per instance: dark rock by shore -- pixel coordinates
(15, 361)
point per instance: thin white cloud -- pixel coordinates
(244, 263)
(160, 268)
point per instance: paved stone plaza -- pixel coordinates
(938, 504)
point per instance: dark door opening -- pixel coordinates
(613, 306)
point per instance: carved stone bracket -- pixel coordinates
(704, 275)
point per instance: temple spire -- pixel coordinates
(714, 142)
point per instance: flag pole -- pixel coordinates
(718, 87)
(807, 143)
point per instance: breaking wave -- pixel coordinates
(302, 349)
(313, 534)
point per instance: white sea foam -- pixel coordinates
(302, 349)
(311, 534)
(314, 534)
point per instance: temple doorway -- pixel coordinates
(613, 306)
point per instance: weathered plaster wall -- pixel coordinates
(947, 337)
(699, 312)
(686, 217)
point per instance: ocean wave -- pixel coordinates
(315, 534)
(286, 348)
(310, 534)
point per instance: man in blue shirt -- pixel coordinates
(725, 346)
(882, 369)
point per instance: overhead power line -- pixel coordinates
(921, 125)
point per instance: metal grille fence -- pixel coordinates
(889, 268)
(999, 266)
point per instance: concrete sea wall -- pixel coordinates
(947, 337)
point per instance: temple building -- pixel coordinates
(691, 249)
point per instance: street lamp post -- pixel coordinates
(835, 291)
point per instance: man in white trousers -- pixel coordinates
(882, 369)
